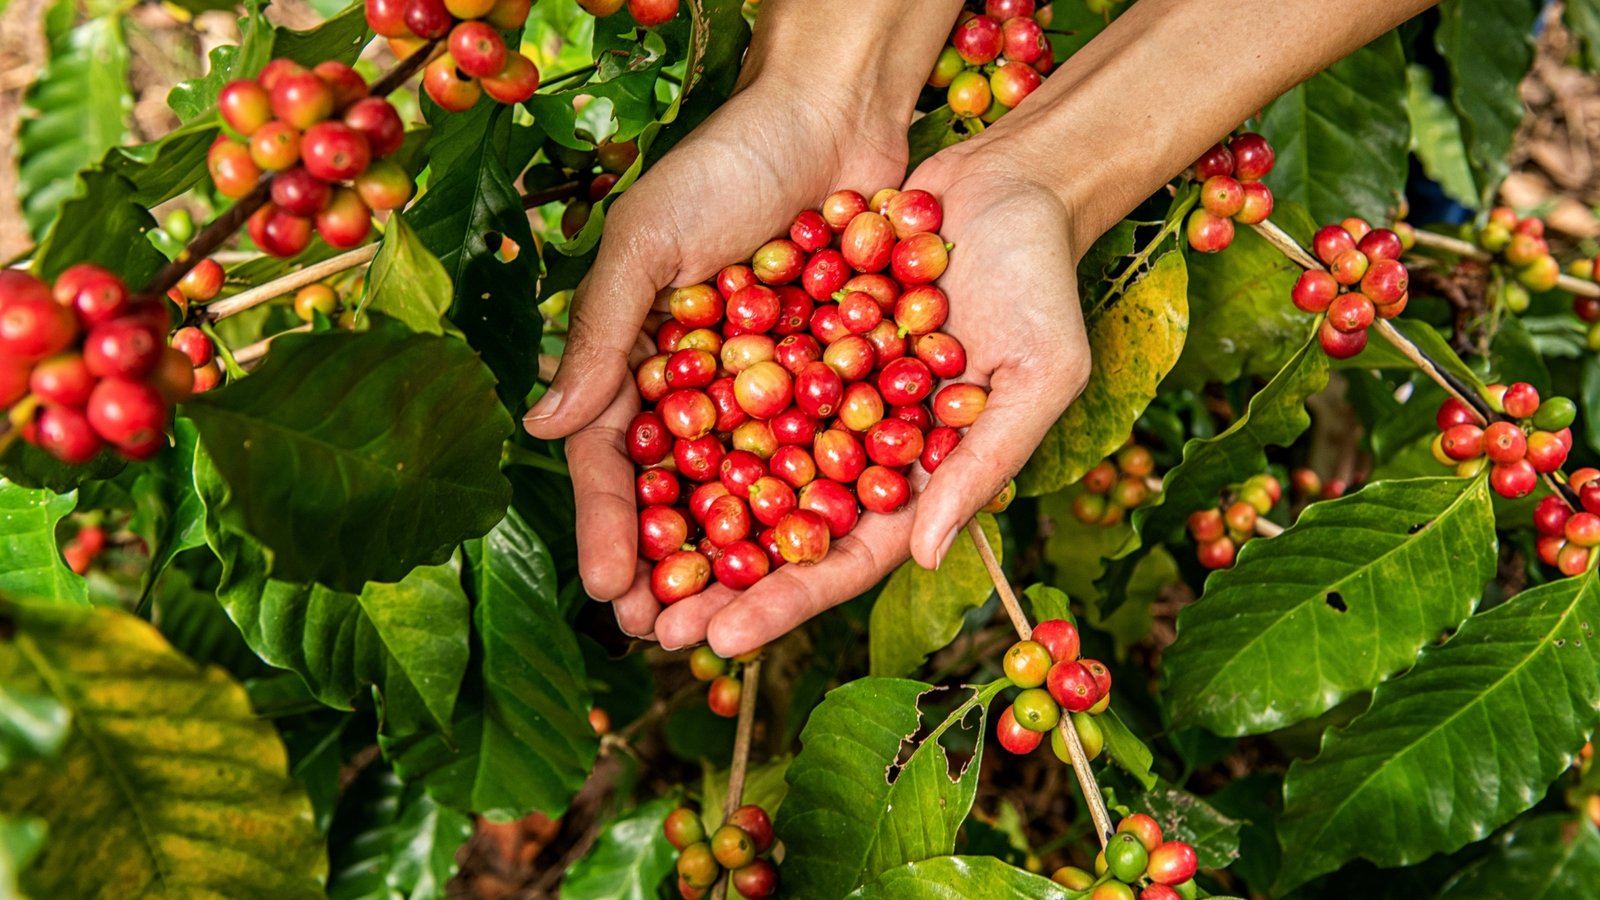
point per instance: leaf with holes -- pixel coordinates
(522, 736)
(1463, 743)
(392, 840)
(852, 812)
(358, 457)
(33, 565)
(470, 197)
(950, 877)
(1185, 817)
(628, 860)
(169, 784)
(919, 611)
(1331, 607)
(1135, 339)
(1326, 163)
(77, 109)
(1549, 857)
(1488, 48)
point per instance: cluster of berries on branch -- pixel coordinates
(596, 172)
(1053, 677)
(726, 688)
(1116, 485)
(794, 392)
(1231, 190)
(198, 285)
(1364, 280)
(1520, 243)
(994, 60)
(738, 846)
(1517, 452)
(1309, 486)
(648, 13)
(1219, 532)
(322, 140)
(1567, 538)
(476, 60)
(84, 365)
(1137, 857)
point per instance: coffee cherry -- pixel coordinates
(1222, 196)
(1252, 157)
(124, 348)
(1013, 737)
(1521, 400)
(893, 443)
(936, 445)
(1314, 291)
(1073, 878)
(1385, 281)
(1351, 312)
(244, 105)
(792, 427)
(126, 413)
(969, 95)
(1172, 863)
(203, 379)
(1504, 442)
(651, 13)
(919, 259)
(1216, 161)
(1072, 686)
(1208, 233)
(345, 221)
(946, 67)
(794, 466)
(754, 308)
(375, 119)
(32, 324)
(732, 847)
(1058, 636)
(802, 536)
(516, 82)
(867, 242)
(1573, 560)
(1090, 735)
(1546, 452)
(233, 171)
(1330, 242)
(1339, 344)
(1126, 857)
(277, 232)
(275, 146)
(978, 40)
(840, 207)
(448, 86)
(1216, 554)
(852, 356)
(959, 405)
(755, 881)
(67, 435)
(679, 575)
(683, 826)
(1011, 83)
(387, 18)
(1257, 204)
(1551, 515)
(859, 312)
(1513, 480)
(1144, 828)
(333, 151)
(696, 864)
(1159, 892)
(428, 19)
(1462, 442)
(478, 49)
(662, 531)
(1022, 39)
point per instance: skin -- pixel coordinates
(1145, 94)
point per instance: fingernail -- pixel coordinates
(545, 408)
(944, 548)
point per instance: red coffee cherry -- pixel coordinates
(1339, 344)
(346, 83)
(1174, 862)
(301, 99)
(893, 443)
(1072, 686)
(1330, 242)
(1222, 195)
(841, 207)
(1252, 157)
(1504, 442)
(427, 19)
(129, 414)
(1013, 737)
(516, 82)
(679, 575)
(778, 261)
(662, 531)
(448, 86)
(867, 242)
(959, 405)
(1208, 233)
(1257, 204)
(882, 490)
(61, 380)
(333, 151)
(834, 502)
(125, 348)
(802, 537)
(920, 258)
(232, 169)
(277, 232)
(67, 435)
(699, 459)
(1513, 480)
(298, 192)
(32, 324)
(244, 105)
(978, 40)
(1351, 312)
(650, 13)
(1216, 161)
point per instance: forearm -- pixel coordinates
(873, 54)
(1161, 84)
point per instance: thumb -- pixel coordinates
(1020, 409)
(608, 308)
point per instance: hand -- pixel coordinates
(735, 183)
(1012, 284)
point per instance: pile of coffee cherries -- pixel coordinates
(1231, 190)
(1219, 532)
(1364, 279)
(1052, 676)
(787, 382)
(91, 361)
(477, 61)
(648, 13)
(322, 140)
(994, 60)
(1520, 242)
(1516, 452)
(1138, 855)
(737, 846)
(1116, 485)
(726, 688)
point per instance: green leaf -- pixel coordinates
(358, 457)
(919, 611)
(169, 784)
(1125, 749)
(1550, 857)
(470, 197)
(1136, 339)
(339, 37)
(530, 746)
(959, 877)
(20, 841)
(33, 565)
(76, 111)
(931, 133)
(851, 812)
(103, 224)
(28, 466)
(1331, 607)
(1185, 817)
(1501, 707)
(1275, 417)
(1488, 48)
(1049, 603)
(390, 841)
(32, 725)
(629, 86)
(1241, 320)
(406, 282)
(1436, 137)
(629, 859)
(1342, 136)
(164, 168)
(169, 514)
(191, 99)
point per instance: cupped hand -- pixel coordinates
(733, 184)
(1012, 285)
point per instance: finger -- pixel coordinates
(602, 487)
(1021, 408)
(780, 602)
(607, 309)
(683, 624)
(637, 608)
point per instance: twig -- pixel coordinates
(1267, 528)
(1080, 760)
(250, 353)
(741, 754)
(1002, 585)
(220, 229)
(1468, 250)
(1290, 247)
(293, 281)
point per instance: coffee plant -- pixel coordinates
(290, 606)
